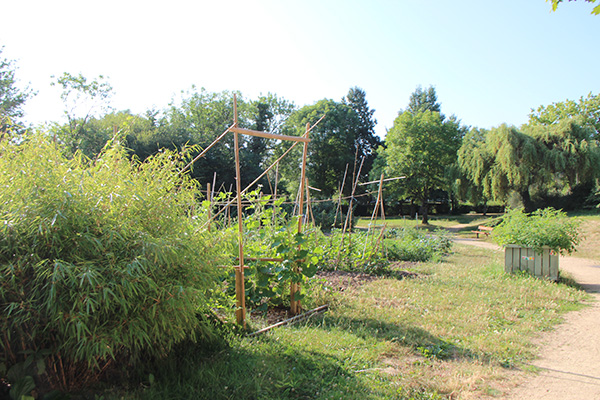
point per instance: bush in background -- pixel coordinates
(411, 244)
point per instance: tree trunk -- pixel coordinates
(527, 203)
(424, 208)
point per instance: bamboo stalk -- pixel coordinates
(266, 135)
(292, 320)
(208, 148)
(294, 287)
(209, 198)
(240, 292)
(256, 180)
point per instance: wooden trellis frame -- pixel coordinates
(239, 269)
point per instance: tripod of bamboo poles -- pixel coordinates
(378, 206)
(239, 269)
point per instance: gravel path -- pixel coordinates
(569, 362)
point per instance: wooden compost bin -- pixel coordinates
(543, 265)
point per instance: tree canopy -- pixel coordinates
(12, 98)
(421, 146)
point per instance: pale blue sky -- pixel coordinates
(490, 61)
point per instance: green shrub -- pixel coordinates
(547, 227)
(411, 244)
(100, 262)
(358, 251)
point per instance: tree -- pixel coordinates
(588, 109)
(421, 146)
(12, 99)
(570, 152)
(266, 114)
(422, 100)
(366, 141)
(532, 162)
(333, 146)
(595, 10)
(83, 100)
(473, 163)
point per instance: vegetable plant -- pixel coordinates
(543, 228)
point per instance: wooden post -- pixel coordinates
(294, 287)
(339, 205)
(209, 198)
(378, 203)
(240, 290)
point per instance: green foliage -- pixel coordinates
(421, 146)
(411, 244)
(595, 10)
(587, 109)
(99, 262)
(543, 228)
(270, 233)
(12, 98)
(536, 161)
(357, 251)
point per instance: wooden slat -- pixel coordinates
(508, 257)
(516, 259)
(538, 266)
(553, 266)
(267, 135)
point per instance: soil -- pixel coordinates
(340, 281)
(568, 367)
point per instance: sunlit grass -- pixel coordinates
(455, 330)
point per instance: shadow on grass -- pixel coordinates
(260, 368)
(419, 340)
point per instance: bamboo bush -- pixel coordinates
(101, 263)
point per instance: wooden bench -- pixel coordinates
(486, 230)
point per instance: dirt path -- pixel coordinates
(569, 362)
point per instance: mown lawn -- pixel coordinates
(453, 330)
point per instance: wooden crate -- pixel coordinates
(543, 265)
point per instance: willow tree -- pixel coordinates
(538, 159)
(506, 160)
(570, 152)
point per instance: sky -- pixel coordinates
(491, 62)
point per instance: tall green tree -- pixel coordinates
(587, 109)
(533, 162)
(83, 99)
(367, 141)
(421, 146)
(12, 98)
(333, 145)
(266, 114)
(424, 99)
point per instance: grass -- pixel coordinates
(590, 235)
(454, 331)
(465, 221)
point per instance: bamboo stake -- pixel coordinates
(208, 148)
(294, 287)
(349, 214)
(339, 206)
(377, 203)
(275, 191)
(292, 320)
(240, 291)
(269, 135)
(256, 180)
(209, 198)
